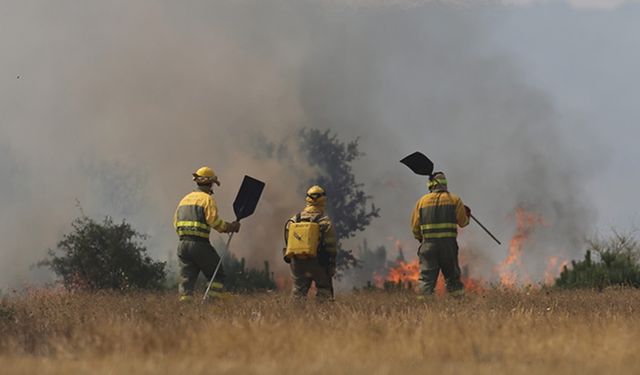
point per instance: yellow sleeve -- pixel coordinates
(415, 222)
(211, 215)
(461, 214)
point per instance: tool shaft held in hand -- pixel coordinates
(485, 229)
(206, 293)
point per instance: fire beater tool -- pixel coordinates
(243, 206)
(420, 164)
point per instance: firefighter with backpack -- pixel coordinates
(311, 247)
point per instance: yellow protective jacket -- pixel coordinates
(328, 241)
(196, 214)
(438, 215)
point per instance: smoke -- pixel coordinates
(114, 104)
(600, 4)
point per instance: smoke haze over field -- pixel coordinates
(116, 103)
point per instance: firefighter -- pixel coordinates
(435, 223)
(196, 214)
(311, 247)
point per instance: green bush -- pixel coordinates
(239, 278)
(617, 264)
(104, 255)
(7, 313)
(242, 279)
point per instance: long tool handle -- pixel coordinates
(206, 293)
(486, 230)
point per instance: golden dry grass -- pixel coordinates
(50, 332)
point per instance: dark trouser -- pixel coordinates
(196, 256)
(439, 255)
(304, 271)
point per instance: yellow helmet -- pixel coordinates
(205, 175)
(316, 196)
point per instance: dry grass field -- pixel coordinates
(53, 332)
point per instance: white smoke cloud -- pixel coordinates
(580, 4)
(586, 4)
(600, 4)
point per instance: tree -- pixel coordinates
(104, 256)
(348, 205)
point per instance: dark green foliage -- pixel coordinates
(395, 286)
(617, 264)
(347, 204)
(239, 278)
(7, 313)
(104, 256)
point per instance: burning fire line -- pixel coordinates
(406, 276)
(511, 271)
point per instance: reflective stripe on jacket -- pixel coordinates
(196, 214)
(438, 215)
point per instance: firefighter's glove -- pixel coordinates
(467, 210)
(233, 227)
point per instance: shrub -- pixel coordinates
(6, 313)
(104, 255)
(239, 278)
(617, 264)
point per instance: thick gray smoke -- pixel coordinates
(115, 103)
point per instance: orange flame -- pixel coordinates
(511, 270)
(407, 275)
(404, 273)
(554, 268)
